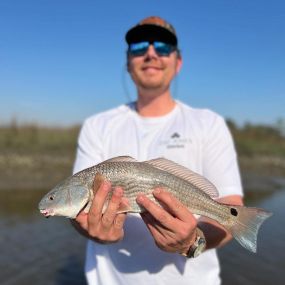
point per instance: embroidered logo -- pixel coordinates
(175, 141)
(175, 135)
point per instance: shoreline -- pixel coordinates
(44, 171)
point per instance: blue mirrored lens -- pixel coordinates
(161, 48)
(137, 49)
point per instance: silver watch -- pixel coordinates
(198, 246)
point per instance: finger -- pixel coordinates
(175, 207)
(151, 224)
(96, 209)
(111, 211)
(157, 229)
(119, 221)
(157, 212)
(162, 237)
(82, 220)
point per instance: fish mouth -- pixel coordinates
(46, 212)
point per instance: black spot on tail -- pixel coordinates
(234, 212)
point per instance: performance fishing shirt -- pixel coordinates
(196, 138)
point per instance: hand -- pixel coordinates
(172, 227)
(107, 227)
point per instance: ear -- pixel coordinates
(128, 62)
(178, 64)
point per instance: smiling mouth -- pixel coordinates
(151, 70)
(151, 67)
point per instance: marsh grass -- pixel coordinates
(258, 140)
(37, 157)
(34, 157)
(260, 148)
(34, 139)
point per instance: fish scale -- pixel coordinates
(190, 188)
(124, 175)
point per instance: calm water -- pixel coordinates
(42, 251)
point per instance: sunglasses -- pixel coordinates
(161, 48)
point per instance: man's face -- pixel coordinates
(153, 72)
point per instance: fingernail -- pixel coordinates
(118, 191)
(140, 198)
(106, 186)
(156, 191)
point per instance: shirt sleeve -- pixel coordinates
(220, 164)
(89, 147)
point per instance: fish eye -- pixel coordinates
(234, 212)
(51, 198)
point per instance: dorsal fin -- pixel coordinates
(123, 158)
(186, 174)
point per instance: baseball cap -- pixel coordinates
(152, 28)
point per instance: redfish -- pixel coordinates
(75, 194)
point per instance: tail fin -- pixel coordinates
(247, 225)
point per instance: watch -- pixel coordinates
(198, 246)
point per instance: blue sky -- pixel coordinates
(63, 60)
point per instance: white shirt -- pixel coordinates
(198, 139)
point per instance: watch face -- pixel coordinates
(201, 244)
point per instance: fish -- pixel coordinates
(199, 195)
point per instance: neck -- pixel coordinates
(154, 105)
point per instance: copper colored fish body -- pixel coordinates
(194, 191)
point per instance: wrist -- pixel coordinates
(198, 246)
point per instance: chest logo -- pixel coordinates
(175, 141)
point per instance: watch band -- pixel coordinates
(198, 246)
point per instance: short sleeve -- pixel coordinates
(89, 147)
(220, 164)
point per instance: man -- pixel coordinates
(161, 246)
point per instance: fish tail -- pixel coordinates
(247, 224)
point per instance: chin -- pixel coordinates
(151, 85)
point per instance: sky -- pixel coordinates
(64, 60)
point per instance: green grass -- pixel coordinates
(258, 140)
(34, 139)
(250, 140)
(36, 157)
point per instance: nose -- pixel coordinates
(151, 53)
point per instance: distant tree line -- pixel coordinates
(256, 139)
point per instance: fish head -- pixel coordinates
(66, 199)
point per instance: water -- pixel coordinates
(267, 266)
(42, 251)
(35, 250)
